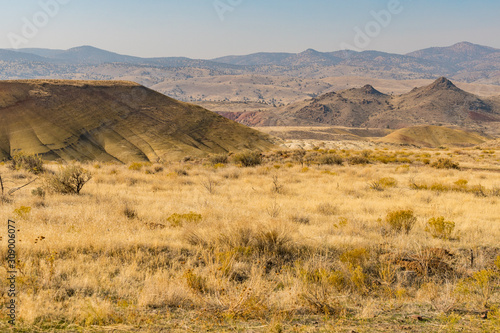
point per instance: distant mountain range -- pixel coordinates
(88, 55)
(445, 61)
(440, 103)
(193, 79)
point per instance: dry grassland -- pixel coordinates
(295, 244)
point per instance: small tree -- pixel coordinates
(69, 180)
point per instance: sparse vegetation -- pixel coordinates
(270, 246)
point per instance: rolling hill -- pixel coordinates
(440, 103)
(111, 121)
(433, 137)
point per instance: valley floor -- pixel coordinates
(379, 240)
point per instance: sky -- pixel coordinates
(206, 29)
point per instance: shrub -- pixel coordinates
(462, 183)
(478, 190)
(38, 192)
(22, 211)
(400, 221)
(383, 183)
(357, 278)
(129, 213)
(176, 220)
(376, 186)
(326, 209)
(274, 210)
(331, 159)
(358, 160)
(438, 187)
(356, 257)
(445, 163)
(218, 159)
(248, 159)
(196, 282)
(300, 219)
(277, 187)
(209, 184)
(275, 241)
(439, 228)
(343, 221)
(417, 186)
(136, 166)
(69, 180)
(388, 182)
(30, 163)
(480, 284)
(181, 172)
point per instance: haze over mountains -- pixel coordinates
(111, 121)
(444, 61)
(272, 78)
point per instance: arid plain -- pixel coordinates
(382, 240)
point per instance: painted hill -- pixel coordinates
(434, 136)
(111, 121)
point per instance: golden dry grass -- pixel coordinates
(278, 247)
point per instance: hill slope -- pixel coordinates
(111, 121)
(434, 136)
(439, 103)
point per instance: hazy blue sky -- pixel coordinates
(194, 28)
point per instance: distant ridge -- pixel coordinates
(271, 78)
(459, 52)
